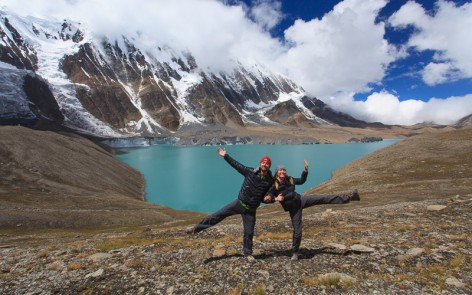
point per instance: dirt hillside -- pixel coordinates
(50, 180)
(420, 168)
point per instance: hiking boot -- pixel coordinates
(354, 196)
(294, 257)
(250, 259)
(190, 230)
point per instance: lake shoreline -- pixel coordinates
(216, 183)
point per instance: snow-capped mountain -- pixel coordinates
(112, 87)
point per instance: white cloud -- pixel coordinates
(437, 73)
(343, 51)
(213, 32)
(387, 108)
(447, 33)
(267, 13)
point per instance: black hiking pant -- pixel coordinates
(233, 208)
(307, 201)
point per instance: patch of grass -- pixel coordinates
(433, 276)
(258, 290)
(432, 271)
(162, 244)
(234, 291)
(75, 250)
(460, 238)
(404, 227)
(330, 280)
(42, 253)
(123, 242)
(135, 263)
(457, 261)
(15, 254)
(74, 265)
(428, 245)
(54, 265)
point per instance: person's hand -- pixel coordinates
(279, 198)
(267, 199)
(221, 151)
(305, 162)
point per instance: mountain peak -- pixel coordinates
(122, 86)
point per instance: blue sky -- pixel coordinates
(391, 61)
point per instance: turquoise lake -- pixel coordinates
(197, 178)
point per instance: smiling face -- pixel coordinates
(265, 166)
(281, 173)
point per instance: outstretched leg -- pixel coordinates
(232, 208)
(312, 200)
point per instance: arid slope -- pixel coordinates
(50, 180)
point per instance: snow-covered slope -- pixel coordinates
(113, 86)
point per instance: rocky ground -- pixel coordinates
(409, 234)
(404, 248)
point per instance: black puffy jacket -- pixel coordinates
(287, 189)
(255, 185)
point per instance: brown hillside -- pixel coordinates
(49, 179)
(420, 168)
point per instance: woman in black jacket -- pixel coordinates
(283, 191)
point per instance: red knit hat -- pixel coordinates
(267, 159)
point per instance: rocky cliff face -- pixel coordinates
(465, 122)
(14, 50)
(112, 86)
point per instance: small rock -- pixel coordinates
(99, 256)
(436, 207)
(455, 282)
(219, 252)
(264, 273)
(95, 274)
(361, 248)
(415, 252)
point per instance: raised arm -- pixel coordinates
(304, 175)
(235, 164)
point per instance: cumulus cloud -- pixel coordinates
(447, 32)
(343, 51)
(438, 73)
(215, 33)
(267, 13)
(387, 108)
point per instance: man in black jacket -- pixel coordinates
(253, 190)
